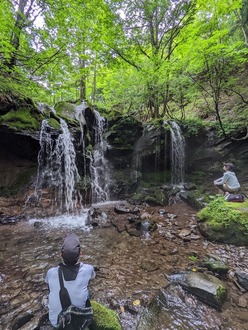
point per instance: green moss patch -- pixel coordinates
(104, 318)
(21, 119)
(54, 123)
(225, 222)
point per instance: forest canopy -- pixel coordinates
(149, 58)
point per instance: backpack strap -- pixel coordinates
(83, 316)
(63, 293)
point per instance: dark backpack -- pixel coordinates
(235, 198)
(72, 317)
(75, 318)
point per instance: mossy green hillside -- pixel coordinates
(225, 221)
(104, 318)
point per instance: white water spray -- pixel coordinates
(100, 168)
(177, 155)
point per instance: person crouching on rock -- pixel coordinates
(75, 278)
(228, 183)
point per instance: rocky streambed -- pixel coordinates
(134, 249)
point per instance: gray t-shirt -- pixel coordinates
(77, 289)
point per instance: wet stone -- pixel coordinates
(183, 233)
(149, 265)
(214, 264)
(134, 232)
(173, 251)
(163, 252)
(172, 260)
(206, 287)
(242, 277)
(194, 237)
(243, 316)
(21, 320)
(242, 302)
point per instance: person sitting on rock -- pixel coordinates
(75, 278)
(228, 183)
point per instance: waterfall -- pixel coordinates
(99, 168)
(177, 155)
(79, 115)
(57, 167)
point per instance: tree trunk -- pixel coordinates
(16, 33)
(82, 87)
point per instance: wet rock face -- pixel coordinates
(18, 146)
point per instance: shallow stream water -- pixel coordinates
(130, 270)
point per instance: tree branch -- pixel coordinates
(48, 60)
(126, 59)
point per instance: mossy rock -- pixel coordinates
(124, 132)
(225, 222)
(65, 108)
(66, 111)
(54, 123)
(104, 318)
(216, 266)
(23, 119)
(192, 199)
(138, 197)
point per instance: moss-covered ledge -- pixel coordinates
(225, 222)
(24, 115)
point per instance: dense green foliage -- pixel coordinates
(152, 58)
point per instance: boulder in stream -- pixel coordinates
(175, 308)
(207, 288)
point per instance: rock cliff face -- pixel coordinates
(139, 157)
(207, 153)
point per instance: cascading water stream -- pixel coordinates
(57, 168)
(177, 155)
(99, 168)
(79, 114)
